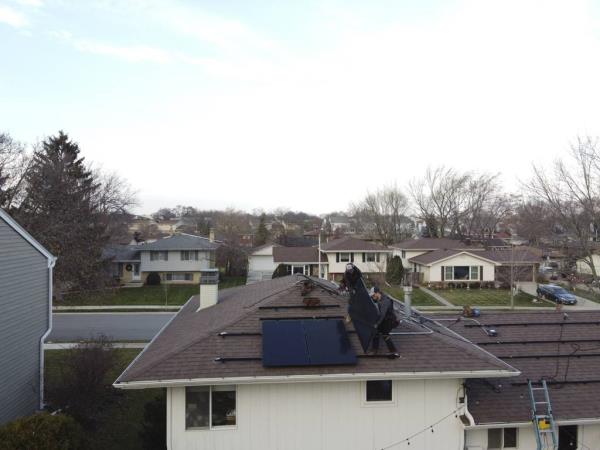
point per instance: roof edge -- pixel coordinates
(317, 378)
(460, 252)
(28, 237)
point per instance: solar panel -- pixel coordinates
(306, 342)
(284, 343)
(364, 314)
(328, 343)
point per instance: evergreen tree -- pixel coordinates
(262, 234)
(280, 271)
(395, 270)
(60, 209)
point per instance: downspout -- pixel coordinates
(51, 263)
(467, 413)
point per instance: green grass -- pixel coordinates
(146, 295)
(487, 297)
(419, 298)
(122, 420)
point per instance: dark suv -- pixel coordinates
(556, 294)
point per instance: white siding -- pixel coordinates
(261, 263)
(407, 255)
(366, 267)
(434, 273)
(588, 436)
(174, 263)
(583, 267)
(327, 416)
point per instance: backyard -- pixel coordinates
(121, 422)
(487, 297)
(419, 297)
(146, 295)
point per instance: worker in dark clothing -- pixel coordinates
(351, 277)
(387, 320)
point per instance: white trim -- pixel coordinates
(28, 237)
(313, 378)
(485, 426)
(377, 403)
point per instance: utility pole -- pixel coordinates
(320, 232)
(512, 271)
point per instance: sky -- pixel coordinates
(307, 105)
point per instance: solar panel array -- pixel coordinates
(306, 342)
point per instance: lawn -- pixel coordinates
(122, 420)
(419, 298)
(586, 293)
(487, 297)
(145, 295)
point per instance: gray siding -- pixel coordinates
(23, 321)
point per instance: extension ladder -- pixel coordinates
(541, 415)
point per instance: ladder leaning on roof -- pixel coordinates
(542, 418)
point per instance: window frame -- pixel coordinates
(344, 260)
(371, 254)
(378, 403)
(210, 426)
(503, 437)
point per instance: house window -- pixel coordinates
(210, 407)
(460, 273)
(170, 276)
(189, 255)
(344, 257)
(379, 391)
(502, 438)
(370, 257)
(474, 273)
(449, 273)
(403, 254)
(159, 256)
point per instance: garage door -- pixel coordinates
(520, 273)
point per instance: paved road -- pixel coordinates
(72, 327)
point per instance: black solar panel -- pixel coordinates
(306, 342)
(364, 314)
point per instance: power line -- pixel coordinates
(428, 428)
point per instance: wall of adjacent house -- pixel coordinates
(174, 263)
(407, 255)
(588, 438)
(23, 321)
(435, 270)
(366, 267)
(583, 267)
(325, 416)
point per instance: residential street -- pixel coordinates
(117, 326)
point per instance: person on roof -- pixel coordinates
(351, 277)
(387, 320)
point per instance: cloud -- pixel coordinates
(12, 17)
(135, 53)
(34, 3)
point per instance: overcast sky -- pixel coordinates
(299, 104)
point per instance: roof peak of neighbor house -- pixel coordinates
(25, 235)
(349, 243)
(434, 256)
(304, 255)
(224, 342)
(436, 244)
(180, 241)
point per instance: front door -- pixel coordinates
(567, 437)
(136, 272)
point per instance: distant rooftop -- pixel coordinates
(180, 242)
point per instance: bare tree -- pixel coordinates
(387, 208)
(13, 166)
(571, 191)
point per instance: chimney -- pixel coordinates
(211, 235)
(209, 288)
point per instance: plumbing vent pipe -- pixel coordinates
(407, 301)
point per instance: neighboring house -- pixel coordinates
(139, 223)
(25, 321)
(369, 257)
(180, 258)
(261, 263)
(560, 348)
(583, 265)
(342, 223)
(448, 260)
(304, 260)
(169, 225)
(251, 371)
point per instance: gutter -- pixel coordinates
(51, 263)
(485, 426)
(314, 378)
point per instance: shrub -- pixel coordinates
(475, 285)
(280, 271)
(42, 431)
(153, 279)
(395, 271)
(154, 427)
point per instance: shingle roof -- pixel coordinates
(435, 244)
(517, 256)
(574, 377)
(121, 253)
(438, 255)
(180, 242)
(187, 348)
(352, 244)
(297, 255)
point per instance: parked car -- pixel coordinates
(556, 294)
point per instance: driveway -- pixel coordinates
(582, 303)
(72, 327)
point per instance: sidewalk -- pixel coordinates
(437, 297)
(116, 307)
